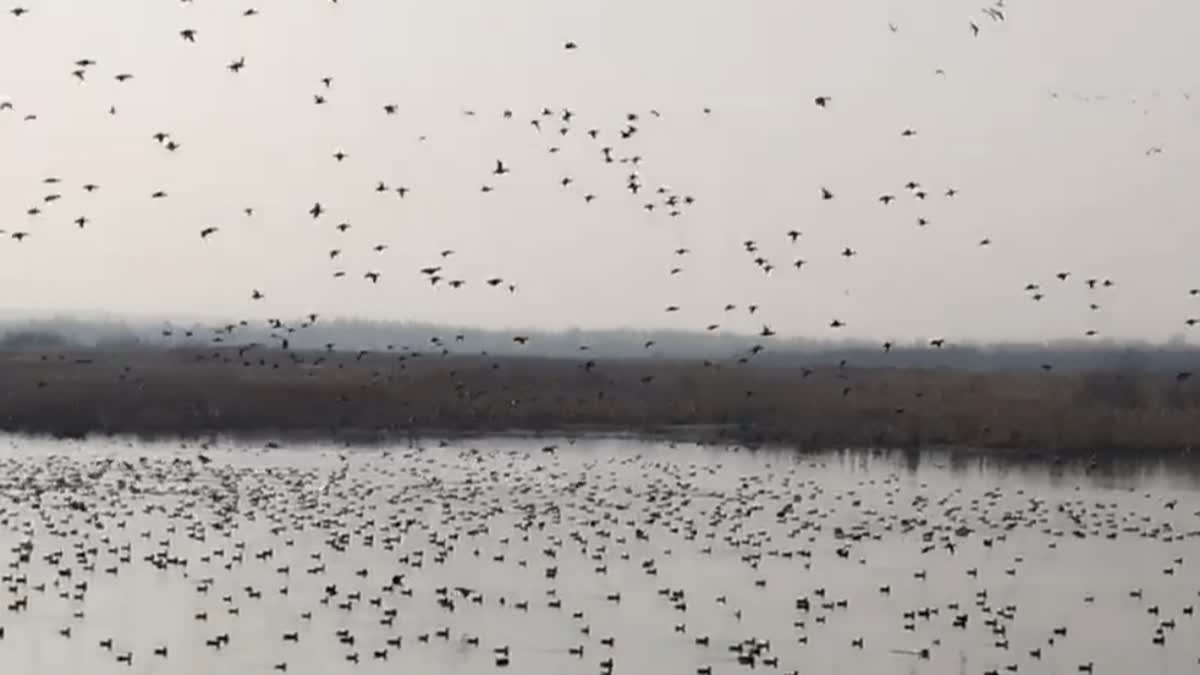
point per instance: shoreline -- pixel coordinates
(362, 400)
(372, 438)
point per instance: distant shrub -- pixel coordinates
(118, 342)
(30, 340)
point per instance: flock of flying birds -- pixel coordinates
(547, 126)
(456, 559)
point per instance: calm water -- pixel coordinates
(698, 542)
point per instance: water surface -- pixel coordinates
(698, 542)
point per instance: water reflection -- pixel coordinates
(528, 543)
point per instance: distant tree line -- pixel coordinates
(355, 335)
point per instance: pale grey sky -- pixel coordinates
(1057, 184)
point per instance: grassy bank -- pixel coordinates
(154, 392)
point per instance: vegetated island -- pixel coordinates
(190, 391)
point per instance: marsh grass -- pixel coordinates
(157, 392)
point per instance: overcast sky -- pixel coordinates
(1057, 184)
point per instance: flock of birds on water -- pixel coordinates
(453, 558)
(549, 126)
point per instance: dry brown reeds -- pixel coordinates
(188, 392)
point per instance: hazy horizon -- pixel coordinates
(349, 336)
(1042, 124)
